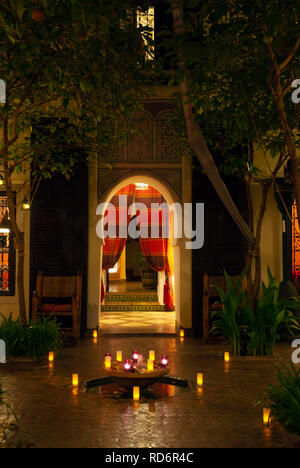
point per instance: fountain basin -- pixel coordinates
(128, 380)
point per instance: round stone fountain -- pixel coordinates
(135, 378)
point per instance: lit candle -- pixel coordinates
(150, 365)
(119, 357)
(107, 362)
(152, 355)
(135, 355)
(226, 357)
(127, 366)
(200, 380)
(51, 356)
(75, 380)
(182, 333)
(266, 416)
(164, 360)
(95, 334)
(136, 393)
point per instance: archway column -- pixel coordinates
(186, 255)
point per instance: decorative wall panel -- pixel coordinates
(169, 137)
(140, 139)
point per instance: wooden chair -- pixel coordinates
(211, 295)
(61, 297)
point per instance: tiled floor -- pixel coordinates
(226, 413)
(137, 322)
(149, 319)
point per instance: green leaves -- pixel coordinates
(285, 398)
(36, 340)
(254, 332)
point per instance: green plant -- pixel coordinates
(253, 332)
(139, 260)
(36, 340)
(230, 322)
(272, 315)
(285, 399)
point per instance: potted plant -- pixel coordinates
(148, 275)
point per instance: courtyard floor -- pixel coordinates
(226, 413)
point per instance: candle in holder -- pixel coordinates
(226, 357)
(150, 365)
(182, 333)
(135, 355)
(136, 393)
(107, 362)
(95, 334)
(51, 356)
(266, 416)
(75, 380)
(127, 366)
(152, 355)
(164, 361)
(200, 380)
(119, 357)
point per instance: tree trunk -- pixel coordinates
(255, 284)
(278, 97)
(18, 235)
(197, 141)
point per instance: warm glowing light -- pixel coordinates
(226, 357)
(107, 362)
(114, 269)
(152, 355)
(164, 360)
(266, 416)
(200, 380)
(51, 356)
(75, 380)
(140, 186)
(1, 180)
(150, 365)
(127, 366)
(119, 357)
(182, 333)
(136, 393)
(95, 334)
(135, 355)
(26, 205)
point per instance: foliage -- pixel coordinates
(231, 71)
(73, 74)
(253, 332)
(230, 320)
(272, 316)
(285, 399)
(36, 340)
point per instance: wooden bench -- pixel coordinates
(211, 295)
(61, 297)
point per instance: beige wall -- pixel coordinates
(271, 238)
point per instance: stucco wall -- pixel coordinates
(271, 237)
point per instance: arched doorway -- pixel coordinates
(171, 199)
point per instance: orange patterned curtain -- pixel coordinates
(117, 219)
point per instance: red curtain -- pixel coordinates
(155, 221)
(117, 220)
(155, 246)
